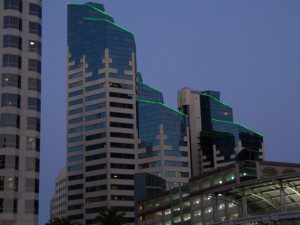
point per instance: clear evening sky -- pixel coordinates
(247, 49)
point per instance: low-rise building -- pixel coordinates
(230, 195)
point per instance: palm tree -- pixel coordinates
(111, 217)
(61, 221)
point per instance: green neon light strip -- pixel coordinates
(232, 123)
(223, 103)
(93, 7)
(107, 21)
(150, 87)
(159, 103)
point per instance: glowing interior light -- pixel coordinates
(31, 43)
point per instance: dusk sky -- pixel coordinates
(248, 50)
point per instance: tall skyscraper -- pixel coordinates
(101, 130)
(20, 38)
(216, 140)
(164, 148)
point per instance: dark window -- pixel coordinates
(34, 84)
(74, 197)
(122, 198)
(35, 46)
(75, 187)
(95, 167)
(75, 217)
(96, 177)
(13, 4)
(33, 123)
(121, 105)
(122, 166)
(121, 135)
(75, 177)
(11, 80)
(121, 125)
(96, 188)
(35, 10)
(96, 146)
(121, 115)
(9, 141)
(122, 156)
(34, 65)
(122, 187)
(10, 100)
(12, 41)
(120, 95)
(10, 120)
(75, 207)
(122, 176)
(121, 145)
(10, 60)
(95, 136)
(95, 157)
(35, 28)
(34, 104)
(119, 85)
(12, 22)
(94, 210)
(32, 185)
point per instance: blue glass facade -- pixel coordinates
(163, 136)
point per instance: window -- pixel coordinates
(11, 80)
(34, 65)
(120, 95)
(75, 120)
(75, 75)
(176, 163)
(75, 158)
(34, 84)
(35, 28)
(10, 100)
(94, 97)
(96, 167)
(13, 4)
(75, 130)
(96, 188)
(75, 187)
(95, 157)
(96, 177)
(75, 111)
(12, 22)
(33, 164)
(122, 155)
(121, 198)
(76, 93)
(9, 183)
(75, 139)
(121, 125)
(10, 120)
(122, 166)
(9, 141)
(75, 148)
(121, 105)
(8, 205)
(122, 187)
(95, 116)
(121, 115)
(12, 41)
(35, 10)
(95, 77)
(33, 143)
(76, 84)
(76, 102)
(95, 136)
(96, 199)
(122, 176)
(78, 167)
(94, 147)
(95, 106)
(10, 60)
(34, 104)
(75, 177)
(121, 86)
(31, 207)
(121, 135)
(94, 87)
(32, 185)
(33, 123)
(121, 76)
(9, 162)
(35, 46)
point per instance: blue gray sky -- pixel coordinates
(249, 50)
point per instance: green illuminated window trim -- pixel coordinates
(161, 104)
(217, 100)
(107, 21)
(149, 87)
(93, 7)
(232, 123)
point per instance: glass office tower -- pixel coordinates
(20, 70)
(216, 140)
(163, 138)
(101, 113)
